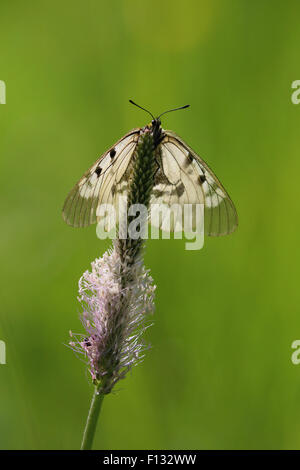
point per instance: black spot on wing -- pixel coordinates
(157, 193)
(178, 190)
(189, 160)
(190, 157)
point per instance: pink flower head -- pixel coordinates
(116, 299)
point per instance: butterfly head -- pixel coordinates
(155, 123)
(155, 126)
(156, 130)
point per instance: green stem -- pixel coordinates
(92, 419)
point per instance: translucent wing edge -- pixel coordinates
(67, 215)
(200, 161)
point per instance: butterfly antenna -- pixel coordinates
(132, 102)
(175, 109)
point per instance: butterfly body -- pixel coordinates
(181, 177)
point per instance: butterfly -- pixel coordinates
(182, 177)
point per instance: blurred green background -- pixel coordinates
(219, 375)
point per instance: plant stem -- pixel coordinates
(92, 419)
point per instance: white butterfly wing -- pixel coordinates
(186, 179)
(182, 178)
(103, 183)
